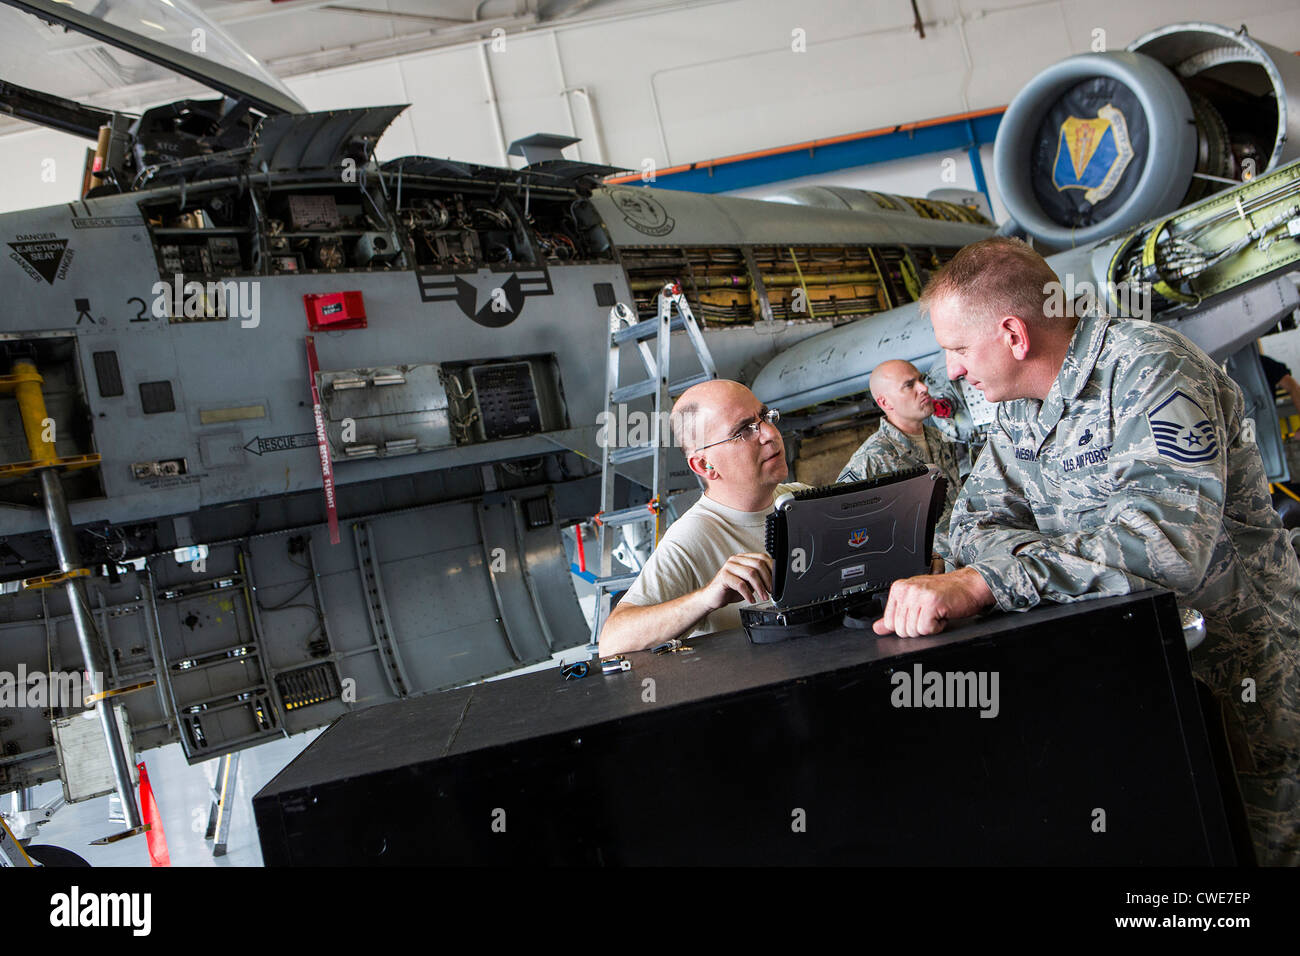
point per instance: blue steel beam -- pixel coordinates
(717, 176)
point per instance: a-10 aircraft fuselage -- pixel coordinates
(462, 420)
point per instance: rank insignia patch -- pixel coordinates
(1182, 430)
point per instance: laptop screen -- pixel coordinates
(856, 536)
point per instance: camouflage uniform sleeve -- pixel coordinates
(1151, 520)
(867, 462)
(857, 468)
(947, 455)
(993, 517)
(942, 549)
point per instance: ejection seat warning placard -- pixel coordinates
(43, 256)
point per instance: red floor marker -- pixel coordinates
(158, 855)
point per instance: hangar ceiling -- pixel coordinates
(289, 37)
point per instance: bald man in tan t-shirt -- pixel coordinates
(712, 558)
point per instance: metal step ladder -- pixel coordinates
(652, 338)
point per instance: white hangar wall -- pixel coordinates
(709, 80)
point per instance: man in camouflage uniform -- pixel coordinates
(903, 440)
(1126, 463)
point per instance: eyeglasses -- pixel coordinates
(747, 431)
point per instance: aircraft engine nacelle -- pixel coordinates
(1101, 142)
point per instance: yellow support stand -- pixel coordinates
(104, 695)
(18, 469)
(25, 384)
(51, 580)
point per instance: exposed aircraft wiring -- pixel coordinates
(108, 542)
(568, 448)
(1248, 207)
(523, 469)
(1181, 257)
(464, 425)
(285, 603)
(496, 215)
(461, 423)
(1184, 260)
(379, 169)
(369, 200)
(556, 245)
(461, 394)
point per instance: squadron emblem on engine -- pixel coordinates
(1092, 154)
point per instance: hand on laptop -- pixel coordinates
(924, 605)
(745, 577)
